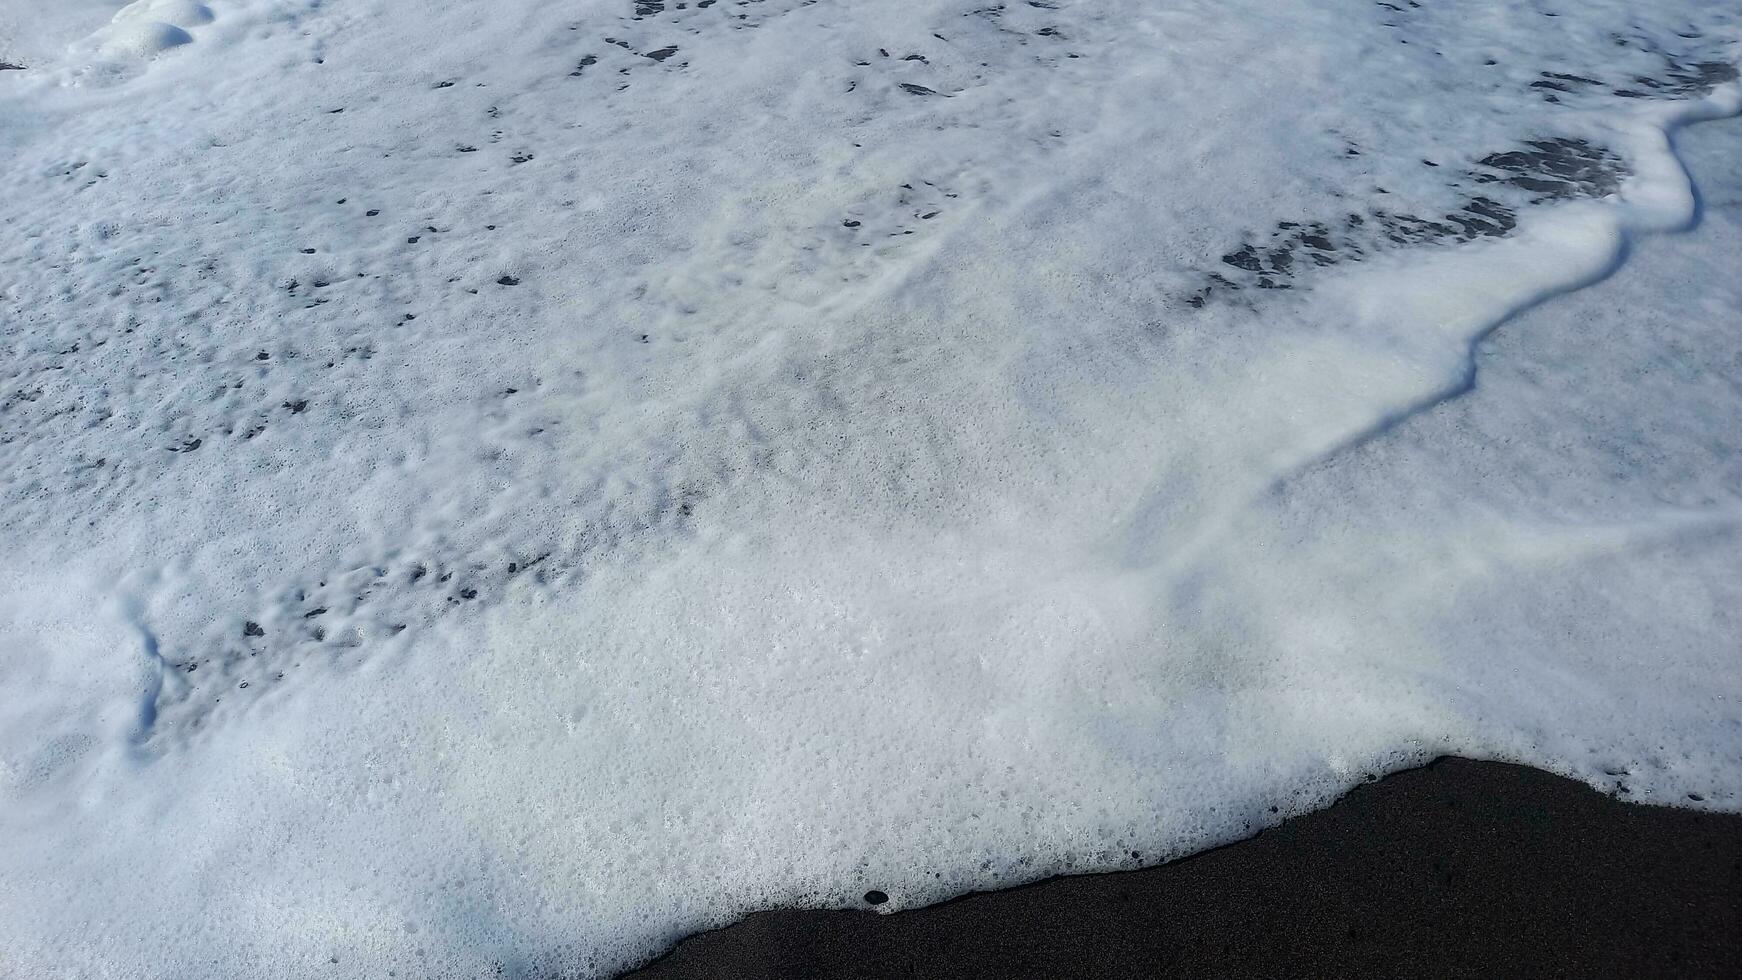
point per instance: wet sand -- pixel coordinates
(1460, 868)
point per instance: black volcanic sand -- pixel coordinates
(1461, 868)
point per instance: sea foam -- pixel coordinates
(495, 488)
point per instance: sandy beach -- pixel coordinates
(1456, 869)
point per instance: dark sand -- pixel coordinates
(1467, 869)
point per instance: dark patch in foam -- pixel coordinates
(1552, 169)
(355, 609)
(1556, 169)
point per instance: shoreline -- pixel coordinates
(1455, 868)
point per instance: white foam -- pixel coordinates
(502, 507)
(141, 38)
(180, 13)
